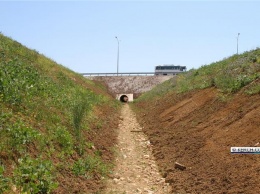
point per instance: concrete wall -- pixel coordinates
(135, 85)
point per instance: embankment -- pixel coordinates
(57, 128)
(196, 119)
(197, 130)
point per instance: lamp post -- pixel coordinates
(117, 55)
(237, 42)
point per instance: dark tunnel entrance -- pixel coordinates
(124, 98)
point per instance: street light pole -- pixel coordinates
(237, 42)
(117, 55)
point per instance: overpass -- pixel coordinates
(130, 85)
(119, 74)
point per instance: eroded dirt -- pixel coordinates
(135, 169)
(197, 130)
(103, 138)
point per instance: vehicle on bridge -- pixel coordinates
(169, 69)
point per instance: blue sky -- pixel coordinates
(81, 34)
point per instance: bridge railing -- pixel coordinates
(131, 74)
(120, 74)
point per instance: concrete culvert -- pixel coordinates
(124, 98)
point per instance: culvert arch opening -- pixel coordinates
(123, 98)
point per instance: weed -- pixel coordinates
(231, 83)
(64, 138)
(253, 89)
(90, 165)
(89, 144)
(99, 124)
(222, 97)
(14, 82)
(79, 110)
(4, 182)
(34, 176)
(18, 137)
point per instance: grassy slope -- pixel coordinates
(228, 75)
(53, 125)
(196, 118)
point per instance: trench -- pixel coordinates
(135, 168)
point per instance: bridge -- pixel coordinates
(130, 85)
(119, 74)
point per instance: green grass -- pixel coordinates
(253, 89)
(34, 176)
(44, 111)
(18, 137)
(229, 76)
(159, 90)
(4, 181)
(88, 166)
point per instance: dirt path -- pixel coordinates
(136, 170)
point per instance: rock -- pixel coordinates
(164, 175)
(129, 180)
(169, 170)
(117, 176)
(116, 180)
(149, 191)
(170, 180)
(162, 180)
(179, 166)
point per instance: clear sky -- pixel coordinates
(81, 34)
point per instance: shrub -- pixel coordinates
(80, 108)
(64, 138)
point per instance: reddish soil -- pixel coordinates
(197, 130)
(104, 139)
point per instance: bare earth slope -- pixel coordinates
(197, 130)
(135, 169)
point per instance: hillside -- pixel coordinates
(56, 127)
(195, 118)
